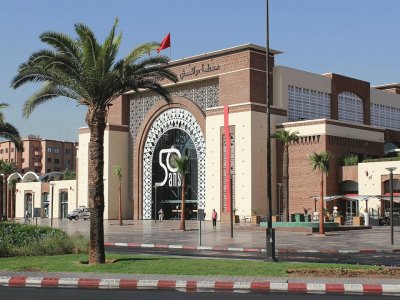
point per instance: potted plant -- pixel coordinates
(307, 217)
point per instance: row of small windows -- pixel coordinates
(306, 104)
(351, 107)
(385, 116)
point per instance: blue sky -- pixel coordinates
(357, 38)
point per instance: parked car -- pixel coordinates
(79, 213)
(396, 211)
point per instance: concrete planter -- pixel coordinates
(358, 221)
(275, 219)
(255, 219)
(339, 220)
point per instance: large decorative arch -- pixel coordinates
(175, 118)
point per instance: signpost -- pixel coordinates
(200, 217)
(36, 213)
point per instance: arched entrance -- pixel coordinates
(28, 207)
(178, 128)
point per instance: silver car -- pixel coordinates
(79, 213)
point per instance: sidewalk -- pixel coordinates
(246, 236)
(200, 283)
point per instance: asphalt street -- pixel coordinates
(86, 294)
(381, 259)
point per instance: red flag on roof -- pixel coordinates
(166, 43)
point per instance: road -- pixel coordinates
(385, 259)
(61, 294)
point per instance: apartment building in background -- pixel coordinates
(40, 155)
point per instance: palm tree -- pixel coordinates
(6, 169)
(182, 165)
(320, 162)
(8, 131)
(83, 70)
(118, 173)
(286, 137)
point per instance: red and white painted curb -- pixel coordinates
(240, 249)
(194, 285)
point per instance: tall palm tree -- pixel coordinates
(182, 165)
(88, 72)
(320, 162)
(118, 173)
(6, 169)
(286, 137)
(7, 130)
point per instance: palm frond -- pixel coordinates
(182, 164)
(8, 131)
(139, 51)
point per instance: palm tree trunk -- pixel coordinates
(119, 204)
(321, 215)
(285, 183)
(1, 201)
(97, 124)
(182, 225)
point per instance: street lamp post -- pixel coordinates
(232, 209)
(156, 185)
(391, 169)
(270, 234)
(52, 201)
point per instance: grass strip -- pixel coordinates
(149, 264)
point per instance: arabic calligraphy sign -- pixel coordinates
(196, 71)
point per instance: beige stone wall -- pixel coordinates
(284, 76)
(116, 153)
(83, 166)
(37, 188)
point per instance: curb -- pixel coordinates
(199, 286)
(239, 249)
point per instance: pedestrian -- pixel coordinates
(27, 217)
(214, 217)
(160, 215)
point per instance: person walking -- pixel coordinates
(214, 217)
(160, 215)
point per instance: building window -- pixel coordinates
(67, 151)
(351, 107)
(12, 159)
(49, 159)
(23, 160)
(385, 116)
(56, 150)
(36, 170)
(305, 104)
(48, 170)
(6, 150)
(23, 149)
(56, 161)
(1, 151)
(49, 149)
(12, 149)
(6, 160)
(67, 163)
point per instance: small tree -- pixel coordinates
(118, 173)
(285, 137)
(6, 169)
(182, 165)
(320, 162)
(69, 174)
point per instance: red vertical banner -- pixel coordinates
(228, 159)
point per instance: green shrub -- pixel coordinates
(382, 159)
(351, 160)
(30, 240)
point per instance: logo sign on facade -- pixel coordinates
(171, 176)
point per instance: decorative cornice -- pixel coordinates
(246, 107)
